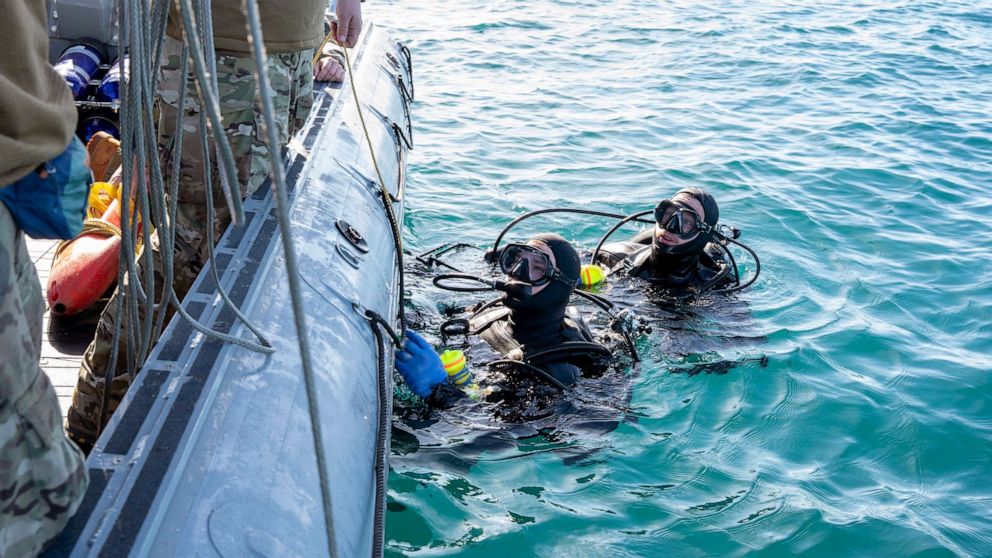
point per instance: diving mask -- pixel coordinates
(678, 219)
(530, 265)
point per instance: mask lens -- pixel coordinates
(525, 263)
(689, 223)
(676, 219)
(664, 212)
(520, 270)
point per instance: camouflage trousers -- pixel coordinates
(291, 77)
(42, 474)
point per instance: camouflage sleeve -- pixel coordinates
(42, 474)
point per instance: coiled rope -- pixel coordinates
(139, 144)
(90, 226)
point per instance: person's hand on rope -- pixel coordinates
(419, 365)
(348, 26)
(328, 68)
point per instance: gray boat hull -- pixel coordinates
(211, 452)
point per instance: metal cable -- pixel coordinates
(125, 262)
(208, 96)
(139, 144)
(250, 8)
(266, 346)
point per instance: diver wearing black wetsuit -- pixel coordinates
(679, 252)
(531, 325)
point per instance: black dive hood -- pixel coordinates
(676, 263)
(675, 257)
(532, 316)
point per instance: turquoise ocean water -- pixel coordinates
(844, 404)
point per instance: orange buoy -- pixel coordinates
(86, 266)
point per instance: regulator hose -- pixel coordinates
(525, 216)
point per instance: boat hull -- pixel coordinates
(211, 452)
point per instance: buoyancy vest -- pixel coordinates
(562, 349)
(635, 257)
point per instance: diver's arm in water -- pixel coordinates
(610, 255)
(419, 365)
(613, 253)
(424, 374)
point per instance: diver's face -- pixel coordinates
(669, 239)
(537, 266)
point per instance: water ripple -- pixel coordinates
(840, 407)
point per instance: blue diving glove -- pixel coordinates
(419, 365)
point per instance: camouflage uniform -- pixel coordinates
(291, 76)
(42, 474)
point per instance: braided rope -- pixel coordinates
(90, 226)
(281, 196)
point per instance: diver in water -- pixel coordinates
(681, 252)
(532, 325)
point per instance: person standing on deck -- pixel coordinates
(292, 30)
(42, 475)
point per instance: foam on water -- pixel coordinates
(852, 143)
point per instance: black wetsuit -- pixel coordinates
(563, 348)
(642, 259)
(539, 330)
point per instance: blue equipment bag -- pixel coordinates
(55, 206)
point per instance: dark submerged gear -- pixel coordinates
(562, 348)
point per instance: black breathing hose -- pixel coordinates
(749, 282)
(534, 371)
(624, 221)
(515, 222)
(733, 263)
(441, 281)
